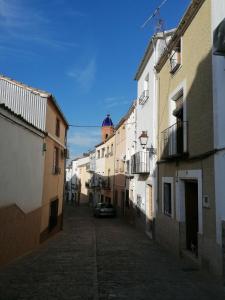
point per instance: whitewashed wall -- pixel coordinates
(22, 165)
(130, 149)
(100, 162)
(218, 14)
(146, 120)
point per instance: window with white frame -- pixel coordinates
(103, 152)
(175, 58)
(167, 196)
(145, 94)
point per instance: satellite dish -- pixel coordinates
(219, 39)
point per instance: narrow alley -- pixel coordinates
(102, 259)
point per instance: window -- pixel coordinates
(167, 198)
(112, 149)
(108, 179)
(108, 200)
(57, 127)
(145, 94)
(128, 167)
(117, 166)
(175, 58)
(116, 198)
(56, 169)
(98, 153)
(108, 150)
(103, 152)
(121, 163)
(138, 207)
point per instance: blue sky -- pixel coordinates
(85, 52)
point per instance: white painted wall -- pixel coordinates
(130, 148)
(100, 162)
(218, 14)
(130, 134)
(146, 120)
(21, 163)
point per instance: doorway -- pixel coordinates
(149, 209)
(123, 203)
(191, 216)
(53, 214)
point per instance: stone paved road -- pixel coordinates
(102, 259)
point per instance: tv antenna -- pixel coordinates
(159, 21)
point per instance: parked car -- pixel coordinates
(104, 210)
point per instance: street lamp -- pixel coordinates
(143, 138)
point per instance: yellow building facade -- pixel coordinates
(185, 221)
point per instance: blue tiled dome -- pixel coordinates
(107, 121)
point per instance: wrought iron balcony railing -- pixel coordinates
(140, 162)
(144, 97)
(105, 184)
(174, 140)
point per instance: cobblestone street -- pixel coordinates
(102, 259)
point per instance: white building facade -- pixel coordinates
(144, 160)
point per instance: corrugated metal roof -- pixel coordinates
(4, 107)
(28, 102)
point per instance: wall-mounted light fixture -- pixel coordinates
(143, 138)
(152, 150)
(44, 147)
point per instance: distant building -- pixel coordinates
(120, 159)
(107, 128)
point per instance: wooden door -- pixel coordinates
(53, 214)
(191, 212)
(149, 207)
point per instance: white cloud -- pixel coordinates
(21, 22)
(111, 102)
(85, 77)
(15, 15)
(84, 138)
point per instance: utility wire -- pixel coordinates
(94, 126)
(154, 13)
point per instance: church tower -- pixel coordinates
(107, 128)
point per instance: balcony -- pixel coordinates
(140, 163)
(174, 140)
(144, 97)
(90, 167)
(105, 184)
(93, 183)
